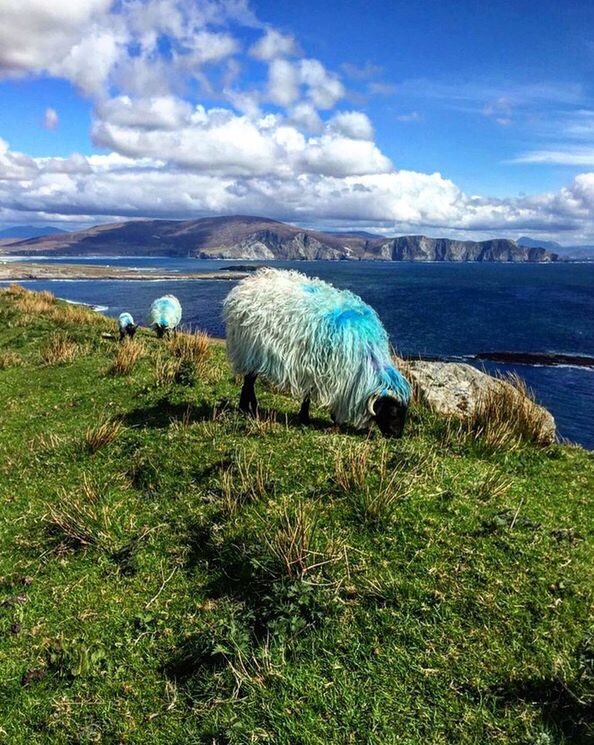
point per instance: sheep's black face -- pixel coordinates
(390, 416)
(160, 331)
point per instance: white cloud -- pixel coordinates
(568, 156)
(352, 124)
(274, 44)
(50, 118)
(219, 141)
(36, 34)
(157, 112)
(323, 88)
(283, 82)
(304, 116)
(410, 116)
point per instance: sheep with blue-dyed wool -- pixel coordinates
(126, 326)
(165, 315)
(318, 343)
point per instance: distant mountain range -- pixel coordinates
(575, 253)
(29, 231)
(246, 237)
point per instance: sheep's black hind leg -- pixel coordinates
(248, 401)
(304, 411)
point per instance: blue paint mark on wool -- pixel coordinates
(395, 383)
(125, 319)
(312, 289)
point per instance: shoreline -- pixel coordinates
(17, 271)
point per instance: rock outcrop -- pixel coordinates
(455, 389)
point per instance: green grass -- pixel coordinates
(172, 572)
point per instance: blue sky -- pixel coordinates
(466, 118)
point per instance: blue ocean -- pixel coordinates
(438, 309)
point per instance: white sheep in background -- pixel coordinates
(127, 326)
(165, 315)
(316, 342)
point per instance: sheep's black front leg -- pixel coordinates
(248, 401)
(304, 411)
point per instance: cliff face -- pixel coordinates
(421, 248)
(245, 237)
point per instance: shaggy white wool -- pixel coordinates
(309, 338)
(165, 311)
(124, 320)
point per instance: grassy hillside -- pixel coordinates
(172, 572)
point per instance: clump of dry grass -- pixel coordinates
(10, 359)
(190, 348)
(59, 350)
(82, 519)
(166, 369)
(46, 442)
(374, 487)
(492, 485)
(102, 434)
(263, 424)
(13, 289)
(30, 303)
(248, 480)
(127, 355)
(506, 415)
(294, 543)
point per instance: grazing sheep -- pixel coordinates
(127, 326)
(165, 315)
(317, 342)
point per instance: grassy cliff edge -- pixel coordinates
(172, 572)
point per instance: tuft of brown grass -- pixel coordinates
(507, 415)
(248, 480)
(127, 355)
(190, 348)
(166, 369)
(492, 485)
(30, 303)
(265, 423)
(102, 434)
(59, 350)
(294, 543)
(82, 519)
(10, 359)
(374, 487)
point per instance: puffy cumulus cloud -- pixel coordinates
(305, 116)
(283, 82)
(219, 141)
(323, 88)
(332, 155)
(352, 124)
(36, 34)
(288, 81)
(157, 112)
(60, 37)
(274, 44)
(15, 166)
(50, 118)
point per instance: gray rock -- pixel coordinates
(454, 389)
